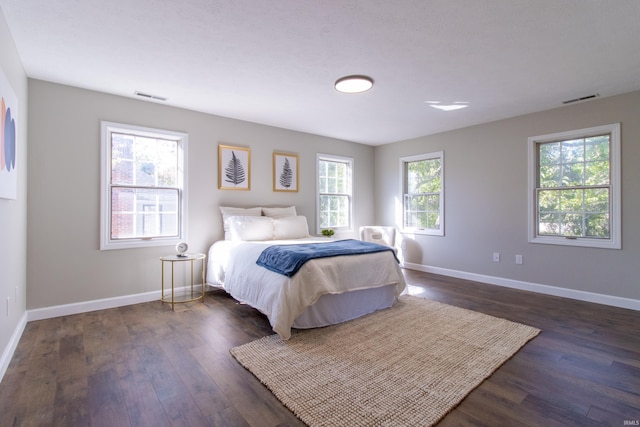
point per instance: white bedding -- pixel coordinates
(232, 266)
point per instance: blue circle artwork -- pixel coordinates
(9, 141)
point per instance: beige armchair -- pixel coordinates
(379, 234)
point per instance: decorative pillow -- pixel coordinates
(290, 227)
(250, 228)
(228, 212)
(279, 212)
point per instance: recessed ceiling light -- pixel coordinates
(448, 107)
(354, 84)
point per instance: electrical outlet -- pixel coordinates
(496, 257)
(519, 259)
(8, 301)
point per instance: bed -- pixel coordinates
(324, 291)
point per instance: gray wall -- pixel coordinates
(486, 201)
(13, 213)
(65, 264)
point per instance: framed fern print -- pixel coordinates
(234, 168)
(285, 172)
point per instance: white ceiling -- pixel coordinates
(275, 62)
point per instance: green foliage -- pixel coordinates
(328, 232)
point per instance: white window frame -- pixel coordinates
(339, 159)
(106, 242)
(615, 240)
(403, 193)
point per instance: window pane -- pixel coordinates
(549, 224)
(573, 151)
(422, 211)
(121, 159)
(549, 201)
(424, 176)
(597, 173)
(138, 213)
(574, 213)
(597, 225)
(571, 225)
(596, 200)
(597, 148)
(549, 176)
(572, 174)
(571, 200)
(143, 161)
(549, 153)
(334, 211)
(167, 163)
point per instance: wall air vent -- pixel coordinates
(148, 95)
(583, 98)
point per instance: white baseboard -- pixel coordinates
(611, 300)
(99, 304)
(7, 354)
(86, 306)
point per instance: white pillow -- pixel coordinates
(279, 212)
(228, 212)
(290, 227)
(249, 228)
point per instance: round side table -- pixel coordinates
(186, 293)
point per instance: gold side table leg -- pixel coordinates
(203, 267)
(162, 294)
(191, 278)
(172, 287)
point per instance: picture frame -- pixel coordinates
(234, 168)
(285, 172)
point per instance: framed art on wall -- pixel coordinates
(8, 140)
(285, 172)
(234, 168)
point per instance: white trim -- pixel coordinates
(86, 306)
(615, 240)
(621, 302)
(99, 304)
(10, 349)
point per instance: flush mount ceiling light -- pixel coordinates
(447, 107)
(354, 84)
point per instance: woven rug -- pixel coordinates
(408, 365)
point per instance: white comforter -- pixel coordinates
(232, 265)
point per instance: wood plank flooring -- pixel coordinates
(143, 365)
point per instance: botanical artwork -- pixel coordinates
(234, 168)
(8, 140)
(285, 172)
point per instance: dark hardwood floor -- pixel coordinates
(143, 365)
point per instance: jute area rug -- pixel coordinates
(408, 365)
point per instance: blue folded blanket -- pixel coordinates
(287, 259)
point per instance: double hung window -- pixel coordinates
(143, 187)
(423, 195)
(335, 191)
(574, 184)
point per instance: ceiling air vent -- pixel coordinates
(148, 95)
(583, 98)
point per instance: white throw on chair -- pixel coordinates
(379, 234)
